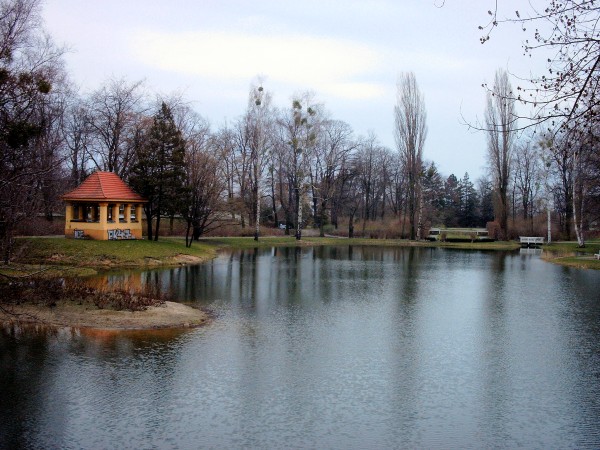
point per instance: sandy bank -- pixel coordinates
(70, 314)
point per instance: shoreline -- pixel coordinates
(59, 260)
(170, 315)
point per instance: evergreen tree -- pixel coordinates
(468, 203)
(451, 201)
(433, 195)
(158, 174)
(486, 205)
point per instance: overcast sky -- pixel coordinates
(349, 53)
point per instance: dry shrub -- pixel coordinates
(17, 290)
(122, 296)
(40, 226)
(373, 229)
(539, 227)
(124, 300)
(235, 230)
(494, 230)
(380, 230)
(48, 291)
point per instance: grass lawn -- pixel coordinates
(568, 254)
(591, 246)
(98, 254)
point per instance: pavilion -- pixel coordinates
(103, 207)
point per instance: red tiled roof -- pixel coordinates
(103, 186)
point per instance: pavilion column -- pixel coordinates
(69, 213)
(115, 213)
(138, 212)
(103, 212)
(127, 212)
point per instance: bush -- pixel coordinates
(494, 230)
(235, 230)
(328, 229)
(48, 291)
(40, 226)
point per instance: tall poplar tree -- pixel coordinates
(410, 133)
(501, 126)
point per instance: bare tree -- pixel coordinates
(242, 169)
(331, 158)
(410, 132)
(501, 126)
(298, 131)
(283, 159)
(115, 109)
(559, 162)
(224, 144)
(565, 33)
(565, 98)
(258, 118)
(584, 150)
(50, 145)
(31, 72)
(204, 189)
(546, 176)
(370, 161)
(527, 178)
(77, 134)
(396, 186)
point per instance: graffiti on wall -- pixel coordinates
(78, 234)
(118, 234)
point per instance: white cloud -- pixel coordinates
(325, 64)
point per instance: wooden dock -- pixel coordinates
(531, 241)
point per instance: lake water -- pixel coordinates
(333, 347)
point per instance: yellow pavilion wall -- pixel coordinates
(103, 230)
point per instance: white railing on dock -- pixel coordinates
(531, 240)
(477, 231)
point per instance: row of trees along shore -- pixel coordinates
(298, 166)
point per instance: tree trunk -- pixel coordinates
(275, 218)
(188, 240)
(157, 227)
(549, 224)
(577, 222)
(322, 219)
(257, 193)
(8, 243)
(420, 215)
(403, 215)
(316, 214)
(298, 216)
(412, 207)
(148, 213)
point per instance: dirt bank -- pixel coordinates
(71, 314)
